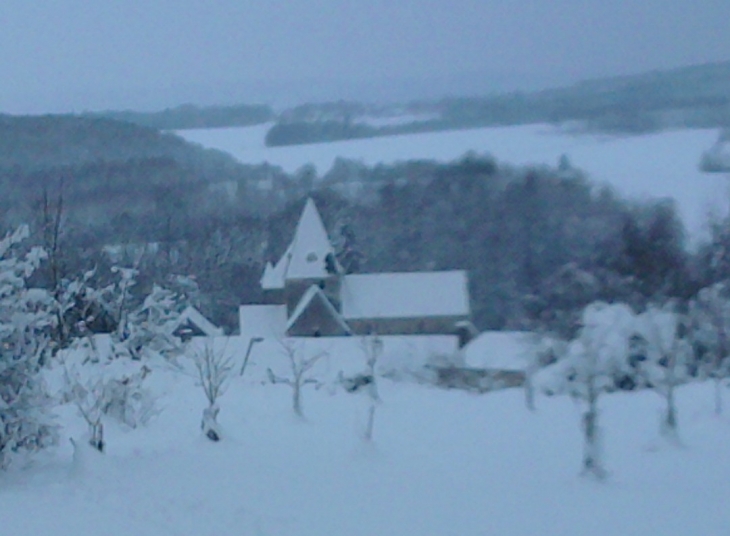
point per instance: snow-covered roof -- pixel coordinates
(273, 277)
(305, 256)
(499, 350)
(405, 295)
(315, 292)
(191, 314)
(262, 320)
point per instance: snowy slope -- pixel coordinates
(658, 165)
(443, 462)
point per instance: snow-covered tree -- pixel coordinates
(26, 326)
(589, 368)
(710, 317)
(214, 368)
(151, 325)
(346, 247)
(117, 298)
(300, 367)
(669, 350)
(617, 349)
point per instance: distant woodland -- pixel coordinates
(189, 116)
(691, 97)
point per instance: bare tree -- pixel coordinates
(214, 369)
(593, 446)
(51, 234)
(373, 348)
(300, 368)
(89, 401)
(532, 360)
(366, 382)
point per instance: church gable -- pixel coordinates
(315, 316)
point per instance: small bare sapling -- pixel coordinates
(365, 382)
(214, 369)
(300, 368)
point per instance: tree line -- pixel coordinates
(539, 243)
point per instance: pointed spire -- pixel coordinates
(310, 247)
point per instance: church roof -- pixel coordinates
(305, 256)
(405, 295)
(273, 277)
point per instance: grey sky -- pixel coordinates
(60, 55)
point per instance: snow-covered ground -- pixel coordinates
(442, 462)
(653, 165)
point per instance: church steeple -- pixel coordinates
(310, 254)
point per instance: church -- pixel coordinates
(308, 294)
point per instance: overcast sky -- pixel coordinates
(63, 55)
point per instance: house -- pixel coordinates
(308, 294)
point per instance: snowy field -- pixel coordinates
(442, 463)
(653, 165)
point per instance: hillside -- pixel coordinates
(30, 143)
(102, 166)
(690, 97)
(442, 462)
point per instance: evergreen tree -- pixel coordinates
(346, 246)
(26, 326)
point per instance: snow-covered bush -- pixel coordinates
(717, 158)
(138, 331)
(26, 325)
(103, 384)
(150, 327)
